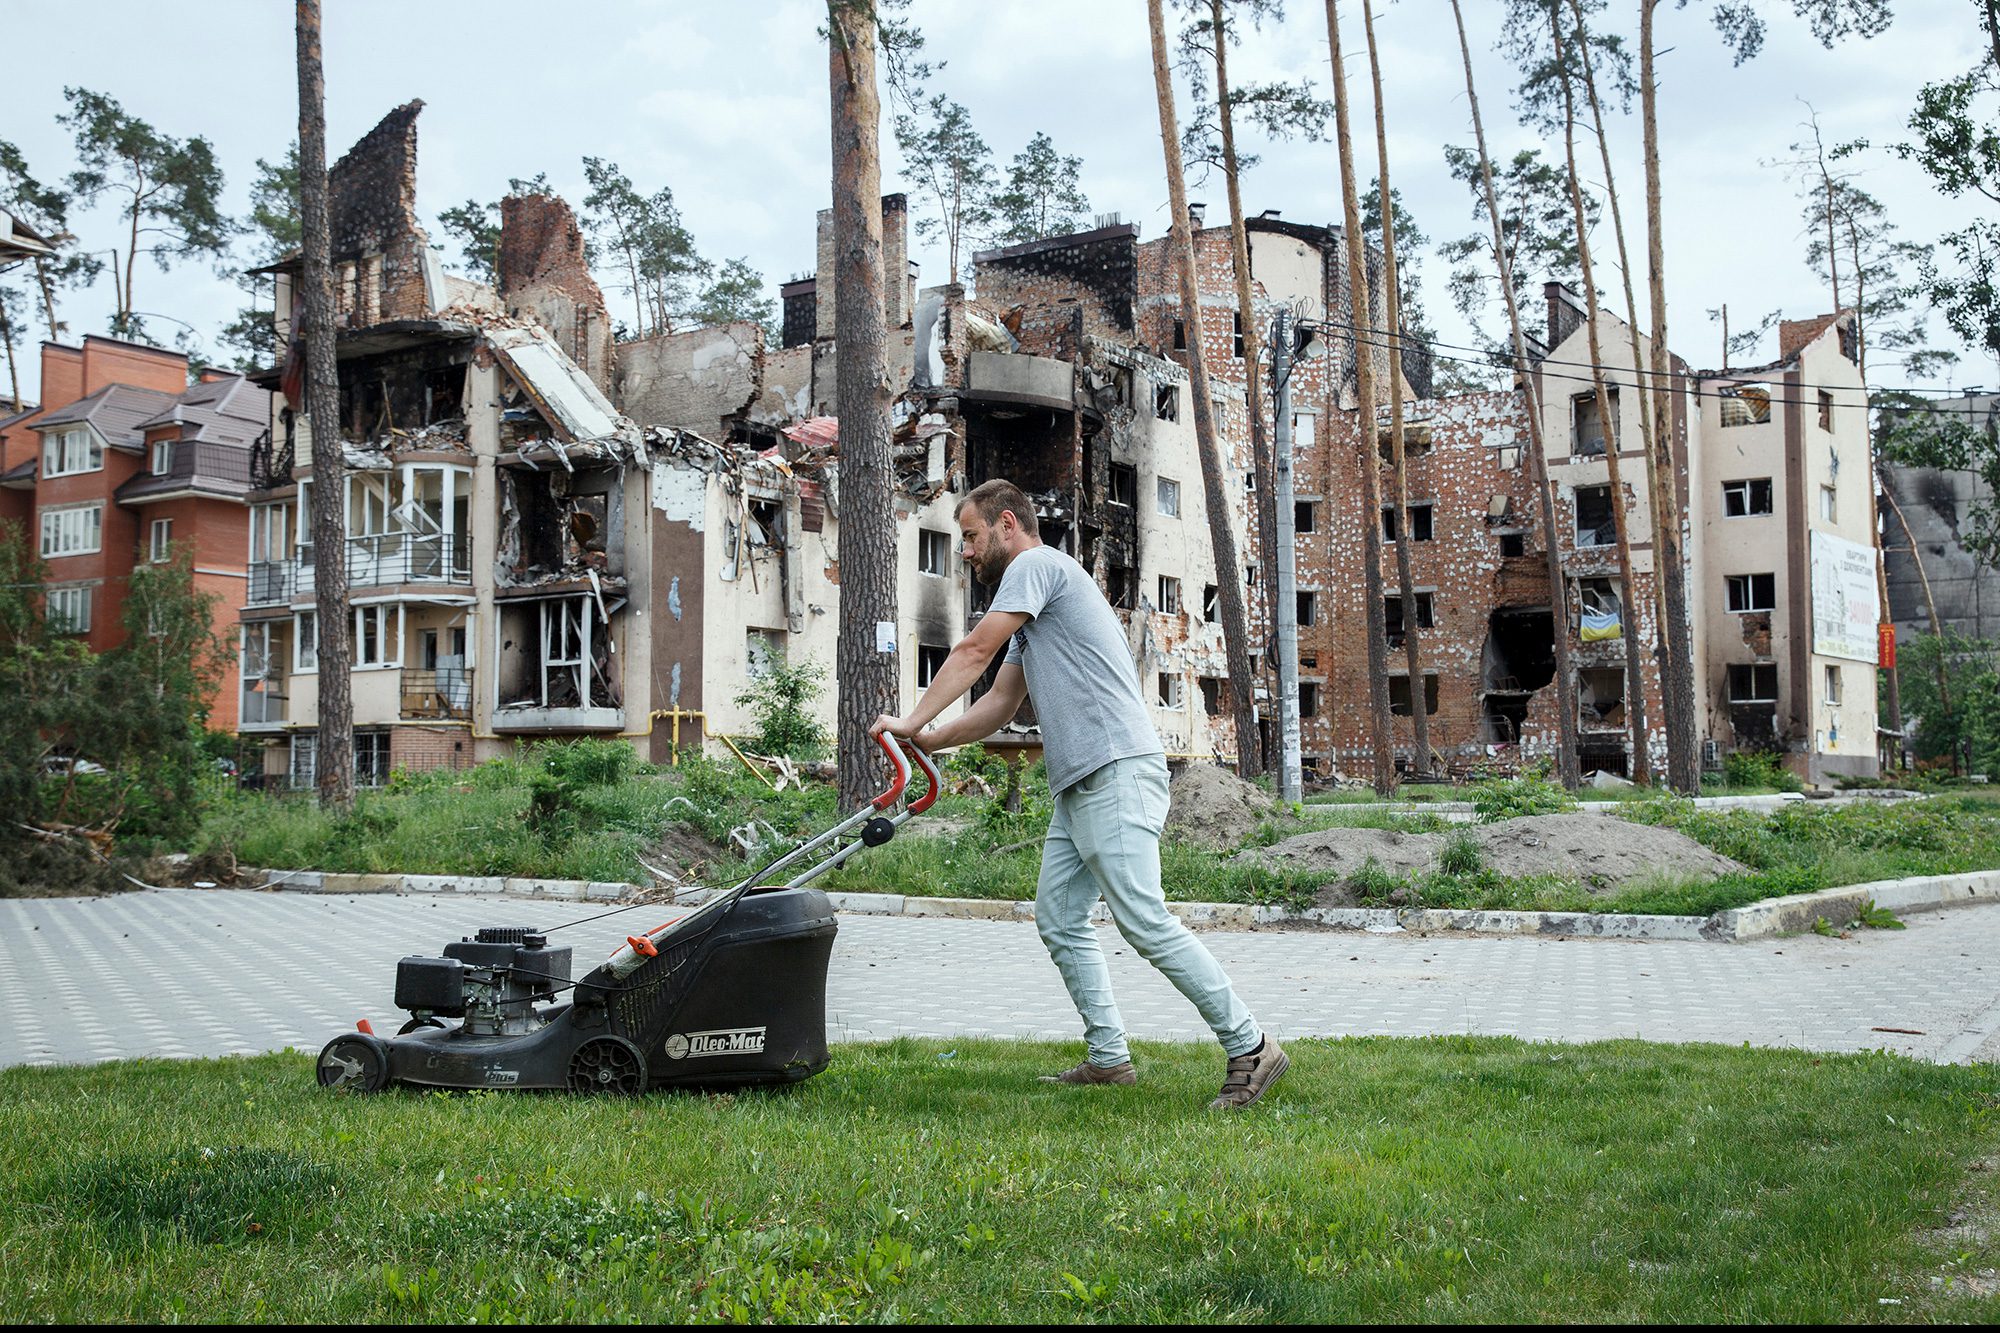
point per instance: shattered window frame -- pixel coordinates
(1430, 694)
(930, 660)
(1745, 404)
(1123, 486)
(1833, 684)
(933, 553)
(305, 643)
(1172, 692)
(1740, 498)
(1167, 402)
(1211, 602)
(1751, 675)
(1829, 504)
(1603, 533)
(1423, 524)
(1516, 540)
(1825, 410)
(1583, 418)
(1751, 594)
(1305, 514)
(1308, 698)
(1170, 595)
(1307, 610)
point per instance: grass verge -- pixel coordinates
(1444, 1179)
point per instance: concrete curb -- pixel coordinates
(1463, 811)
(1774, 916)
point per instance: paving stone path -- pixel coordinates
(184, 973)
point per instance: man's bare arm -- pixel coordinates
(992, 711)
(962, 668)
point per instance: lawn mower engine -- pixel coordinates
(733, 993)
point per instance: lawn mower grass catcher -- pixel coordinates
(733, 993)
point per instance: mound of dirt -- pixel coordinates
(1212, 807)
(1601, 852)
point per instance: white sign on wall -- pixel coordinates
(1845, 605)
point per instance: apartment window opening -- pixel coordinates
(1746, 499)
(1752, 592)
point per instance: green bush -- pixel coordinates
(1460, 855)
(1511, 798)
(1758, 768)
(781, 700)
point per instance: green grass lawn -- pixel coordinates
(1445, 1179)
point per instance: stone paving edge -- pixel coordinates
(1774, 916)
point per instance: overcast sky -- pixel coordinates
(727, 104)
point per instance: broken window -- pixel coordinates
(1308, 661)
(1513, 544)
(1746, 405)
(1169, 501)
(1124, 484)
(371, 758)
(1211, 602)
(1753, 683)
(1829, 504)
(1420, 522)
(1832, 684)
(1211, 695)
(1746, 499)
(1249, 576)
(1586, 430)
(1392, 615)
(1123, 589)
(1167, 402)
(1600, 697)
(933, 552)
(1596, 525)
(1399, 694)
(1308, 698)
(1236, 335)
(762, 650)
(1180, 334)
(1170, 595)
(1303, 515)
(1752, 592)
(1596, 614)
(1170, 689)
(930, 661)
(1825, 410)
(1308, 609)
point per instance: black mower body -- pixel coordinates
(734, 995)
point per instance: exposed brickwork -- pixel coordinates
(421, 749)
(378, 246)
(544, 275)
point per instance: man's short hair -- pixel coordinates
(992, 498)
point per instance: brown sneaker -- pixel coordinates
(1088, 1073)
(1251, 1076)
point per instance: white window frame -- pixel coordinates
(268, 524)
(1111, 485)
(163, 457)
(933, 553)
(1829, 504)
(1748, 585)
(305, 643)
(161, 536)
(1744, 485)
(1167, 499)
(1172, 694)
(930, 657)
(388, 646)
(1170, 595)
(1752, 668)
(71, 452)
(1831, 678)
(69, 608)
(88, 524)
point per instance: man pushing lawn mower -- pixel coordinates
(1108, 773)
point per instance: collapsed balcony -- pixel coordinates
(558, 665)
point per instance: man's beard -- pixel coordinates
(990, 568)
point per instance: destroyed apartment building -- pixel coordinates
(527, 560)
(552, 534)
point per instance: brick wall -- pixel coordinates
(378, 245)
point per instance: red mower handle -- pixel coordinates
(901, 765)
(929, 767)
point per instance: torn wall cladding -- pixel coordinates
(379, 249)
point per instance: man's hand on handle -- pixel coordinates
(898, 726)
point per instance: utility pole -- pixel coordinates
(1292, 780)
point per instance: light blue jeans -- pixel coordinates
(1104, 840)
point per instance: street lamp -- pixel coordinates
(1291, 775)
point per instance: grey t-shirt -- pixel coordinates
(1080, 672)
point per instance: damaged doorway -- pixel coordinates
(1520, 658)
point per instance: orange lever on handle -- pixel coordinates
(900, 764)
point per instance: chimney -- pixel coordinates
(1195, 212)
(210, 374)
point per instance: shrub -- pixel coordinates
(1758, 768)
(1511, 798)
(1460, 855)
(781, 701)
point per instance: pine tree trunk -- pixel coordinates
(1669, 542)
(334, 760)
(867, 676)
(1381, 733)
(1398, 459)
(1566, 750)
(1235, 623)
(1264, 510)
(1661, 643)
(1635, 682)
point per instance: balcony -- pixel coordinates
(445, 692)
(261, 707)
(270, 463)
(272, 582)
(390, 558)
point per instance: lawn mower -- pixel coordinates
(733, 993)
